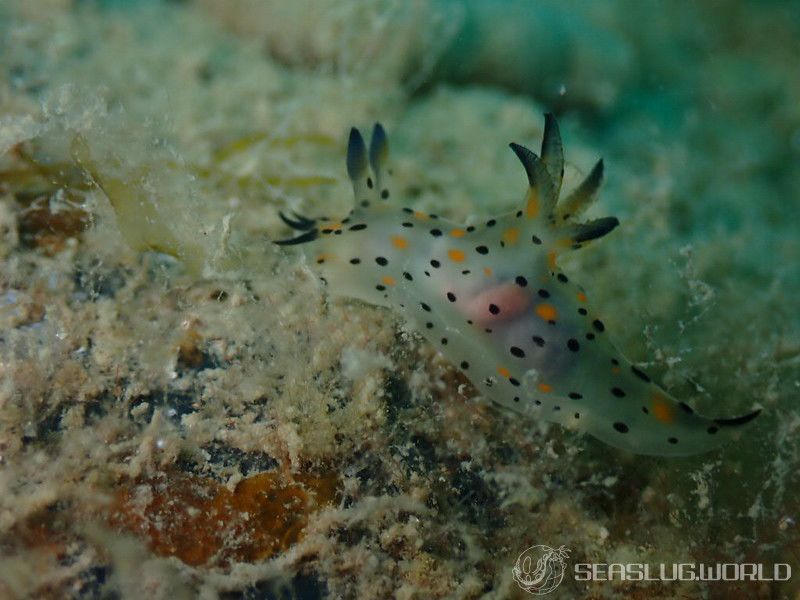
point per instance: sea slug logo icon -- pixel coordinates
(540, 569)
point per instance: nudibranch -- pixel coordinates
(492, 299)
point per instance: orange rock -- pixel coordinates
(200, 521)
(42, 227)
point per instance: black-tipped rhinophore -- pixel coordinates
(582, 196)
(378, 149)
(528, 160)
(356, 155)
(545, 176)
(298, 222)
(538, 177)
(553, 151)
(737, 421)
(300, 239)
(586, 232)
(366, 168)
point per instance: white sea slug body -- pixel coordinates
(492, 299)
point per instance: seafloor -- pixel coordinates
(185, 413)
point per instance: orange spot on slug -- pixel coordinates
(662, 409)
(458, 233)
(544, 388)
(547, 312)
(511, 236)
(399, 242)
(388, 280)
(581, 297)
(456, 255)
(504, 372)
(532, 205)
(551, 260)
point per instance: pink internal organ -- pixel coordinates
(504, 302)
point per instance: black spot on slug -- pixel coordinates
(640, 374)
